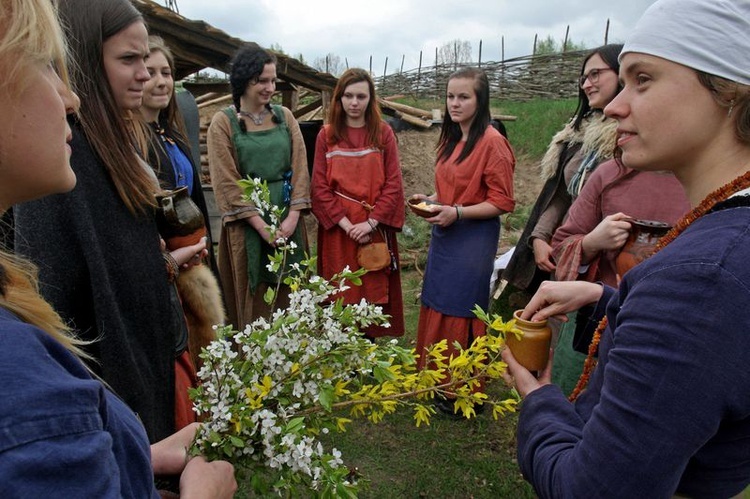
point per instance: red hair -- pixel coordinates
(337, 115)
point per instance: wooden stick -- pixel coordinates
(223, 98)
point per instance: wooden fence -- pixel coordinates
(552, 76)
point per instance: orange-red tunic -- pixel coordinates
(360, 172)
(486, 175)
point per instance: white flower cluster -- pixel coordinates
(285, 367)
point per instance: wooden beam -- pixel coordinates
(306, 109)
(419, 113)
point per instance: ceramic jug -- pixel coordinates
(179, 219)
(644, 234)
(532, 350)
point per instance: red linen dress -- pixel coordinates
(360, 172)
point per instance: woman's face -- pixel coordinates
(600, 86)
(259, 93)
(34, 136)
(461, 100)
(355, 99)
(157, 91)
(666, 118)
(124, 56)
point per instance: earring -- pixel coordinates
(731, 108)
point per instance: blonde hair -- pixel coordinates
(30, 33)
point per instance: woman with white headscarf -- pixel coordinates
(667, 408)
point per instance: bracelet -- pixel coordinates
(173, 269)
(459, 212)
(372, 225)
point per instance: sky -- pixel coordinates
(396, 29)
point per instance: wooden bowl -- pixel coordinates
(421, 207)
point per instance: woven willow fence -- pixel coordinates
(552, 76)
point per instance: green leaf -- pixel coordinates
(326, 397)
(236, 441)
(295, 425)
(268, 295)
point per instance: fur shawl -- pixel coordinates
(597, 133)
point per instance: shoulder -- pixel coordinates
(608, 172)
(286, 114)
(494, 145)
(41, 376)
(386, 132)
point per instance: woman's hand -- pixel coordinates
(198, 478)
(190, 256)
(543, 255)
(203, 479)
(423, 197)
(169, 456)
(361, 232)
(610, 234)
(521, 378)
(263, 229)
(446, 216)
(288, 225)
(557, 298)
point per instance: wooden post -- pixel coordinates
(402, 63)
(455, 55)
(502, 49)
(370, 64)
(325, 98)
(437, 83)
(385, 69)
(606, 33)
(419, 73)
(346, 61)
(565, 41)
(480, 53)
(327, 71)
(533, 52)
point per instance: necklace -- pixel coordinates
(721, 194)
(256, 118)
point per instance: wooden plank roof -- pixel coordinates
(198, 45)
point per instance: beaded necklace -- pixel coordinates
(721, 194)
(256, 118)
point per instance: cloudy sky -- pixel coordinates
(356, 30)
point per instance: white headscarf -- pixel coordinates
(712, 36)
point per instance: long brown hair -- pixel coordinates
(29, 33)
(170, 118)
(88, 24)
(450, 133)
(337, 115)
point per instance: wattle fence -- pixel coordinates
(551, 76)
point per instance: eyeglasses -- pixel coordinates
(592, 76)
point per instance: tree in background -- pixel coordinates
(331, 63)
(550, 46)
(455, 52)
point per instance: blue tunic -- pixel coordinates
(667, 409)
(62, 434)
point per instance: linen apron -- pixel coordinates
(266, 154)
(459, 266)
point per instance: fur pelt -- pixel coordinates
(202, 304)
(597, 133)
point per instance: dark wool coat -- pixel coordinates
(102, 269)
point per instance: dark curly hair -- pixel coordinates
(246, 67)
